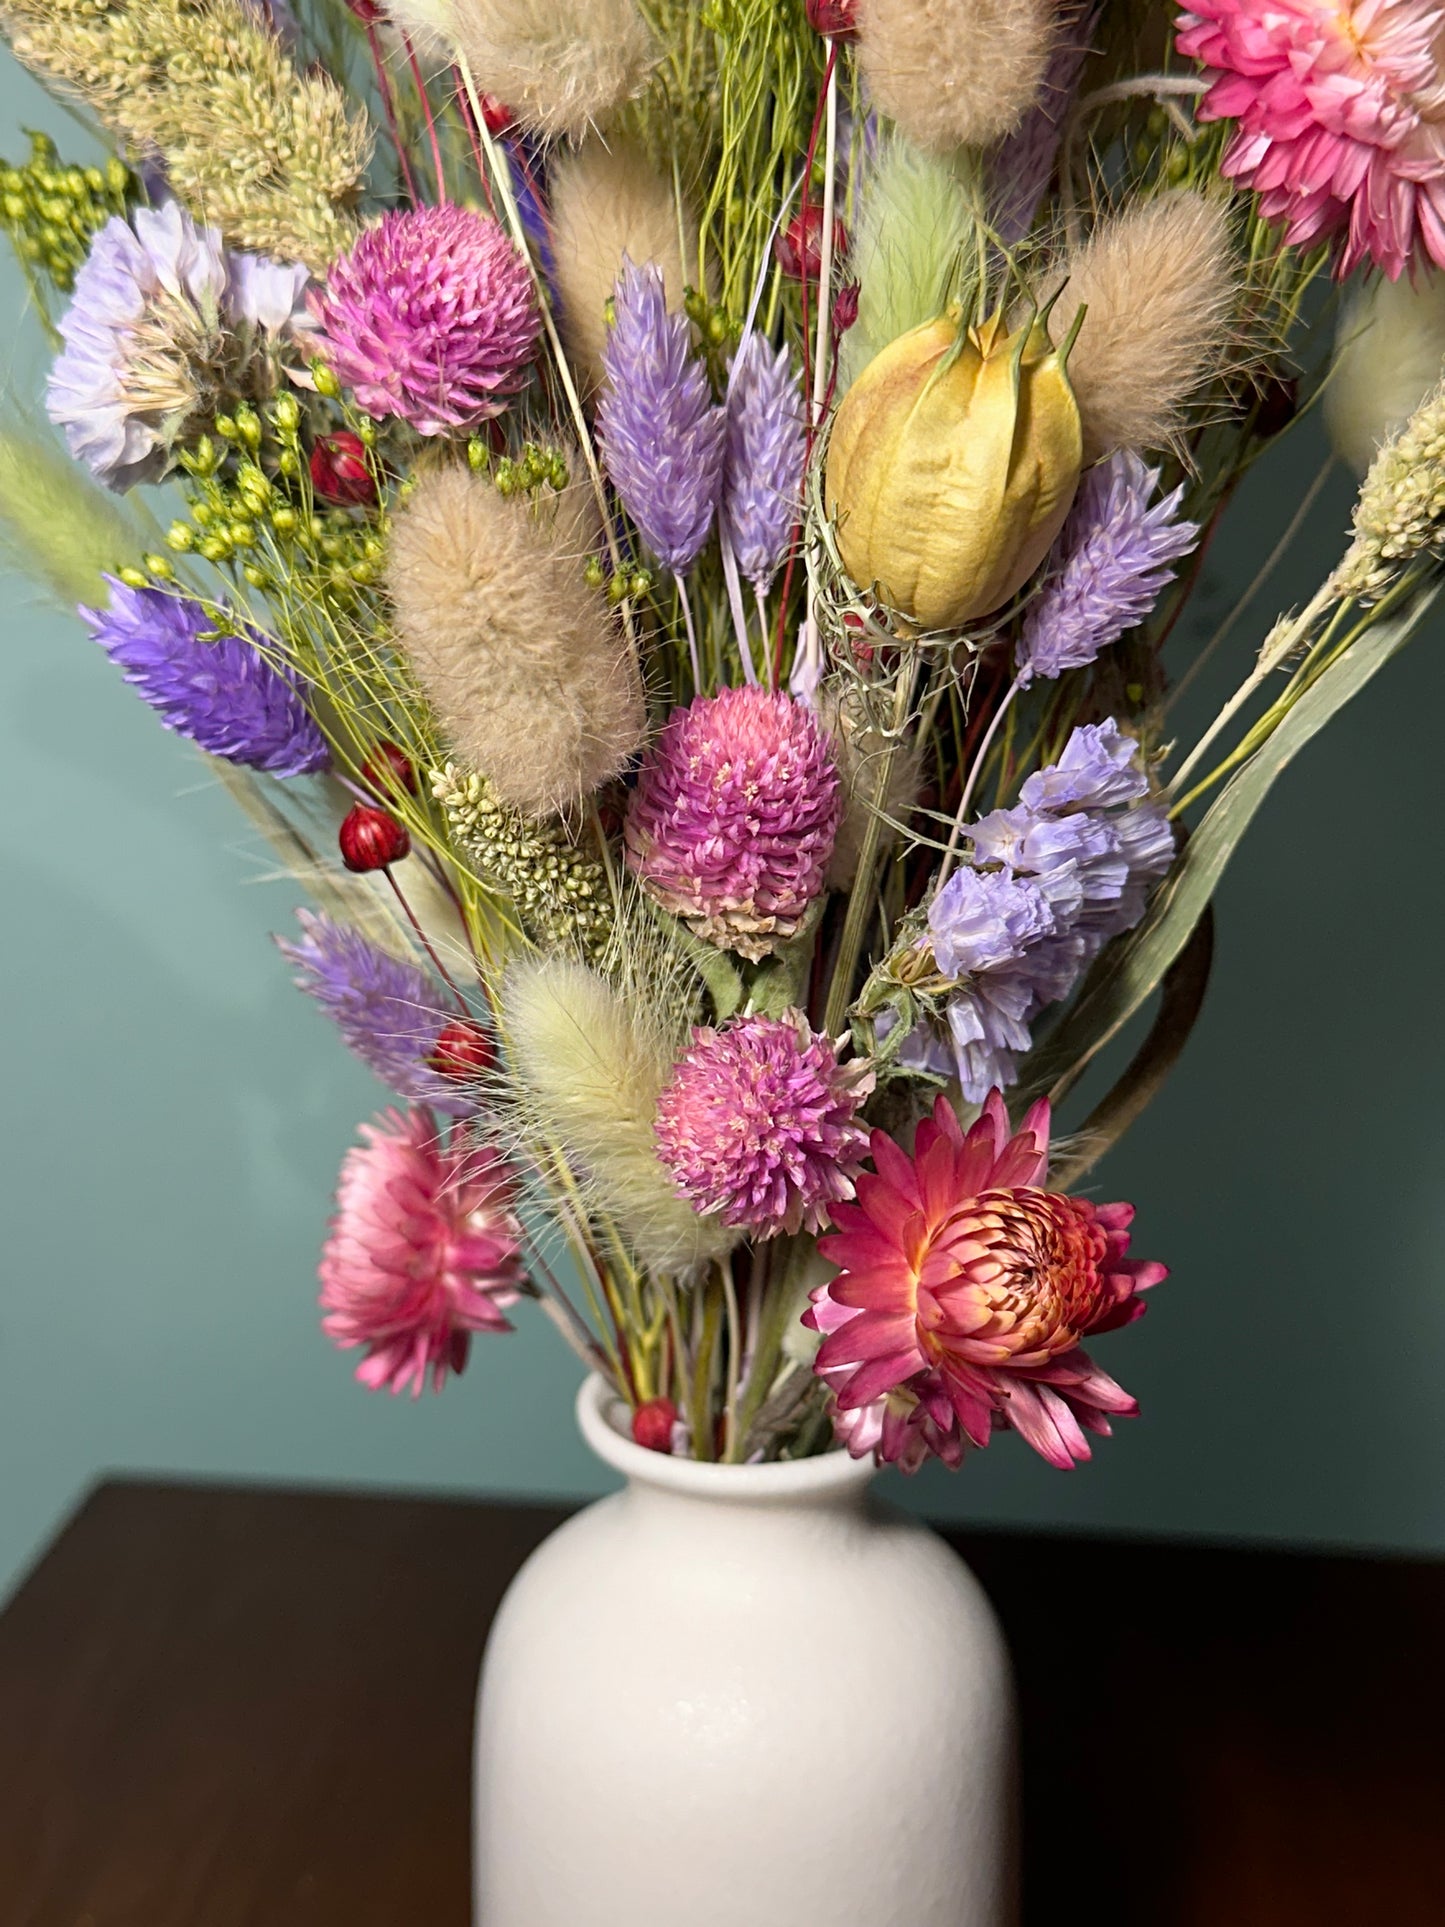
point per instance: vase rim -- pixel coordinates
(829, 1474)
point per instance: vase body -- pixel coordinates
(743, 1696)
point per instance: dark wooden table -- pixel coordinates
(235, 1708)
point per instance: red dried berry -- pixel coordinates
(462, 1050)
(498, 115)
(834, 19)
(371, 839)
(340, 473)
(389, 769)
(652, 1424)
(799, 248)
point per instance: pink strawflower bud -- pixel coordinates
(340, 473)
(652, 1424)
(498, 115)
(389, 769)
(463, 1049)
(733, 820)
(424, 1250)
(834, 19)
(431, 316)
(845, 307)
(965, 1289)
(371, 839)
(758, 1125)
(799, 248)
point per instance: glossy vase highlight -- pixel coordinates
(743, 1696)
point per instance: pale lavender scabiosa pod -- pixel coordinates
(758, 1125)
(662, 436)
(221, 693)
(766, 455)
(732, 824)
(389, 1012)
(1114, 558)
(430, 316)
(145, 343)
(270, 295)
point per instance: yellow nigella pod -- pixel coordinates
(952, 465)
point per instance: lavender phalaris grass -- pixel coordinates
(662, 436)
(766, 453)
(1021, 167)
(389, 1012)
(220, 691)
(1115, 555)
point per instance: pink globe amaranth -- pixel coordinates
(430, 316)
(758, 1125)
(1340, 115)
(424, 1249)
(732, 824)
(959, 1274)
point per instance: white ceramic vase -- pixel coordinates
(742, 1696)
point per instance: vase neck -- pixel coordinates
(832, 1483)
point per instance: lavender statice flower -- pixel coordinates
(1114, 553)
(1050, 881)
(1086, 830)
(219, 690)
(388, 1011)
(766, 453)
(662, 436)
(144, 334)
(984, 926)
(991, 933)
(982, 919)
(1098, 770)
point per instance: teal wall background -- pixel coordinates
(174, 1114)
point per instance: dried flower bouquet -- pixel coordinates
(682, 508)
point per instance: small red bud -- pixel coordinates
(652, 1424)
(845, 308)
(834, 19)
(340, 473)
(389, 769)
(799, 248)
(371, 840)
(498, 115)
(462, 1050)
(366, 11)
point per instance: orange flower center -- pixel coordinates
(1010, 1276)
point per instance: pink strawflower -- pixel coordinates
(906, 1427)
(732, 823)
(758, 1127)
(1341, 118)
(423, 1251)
(431, 316)
(959, 1275)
